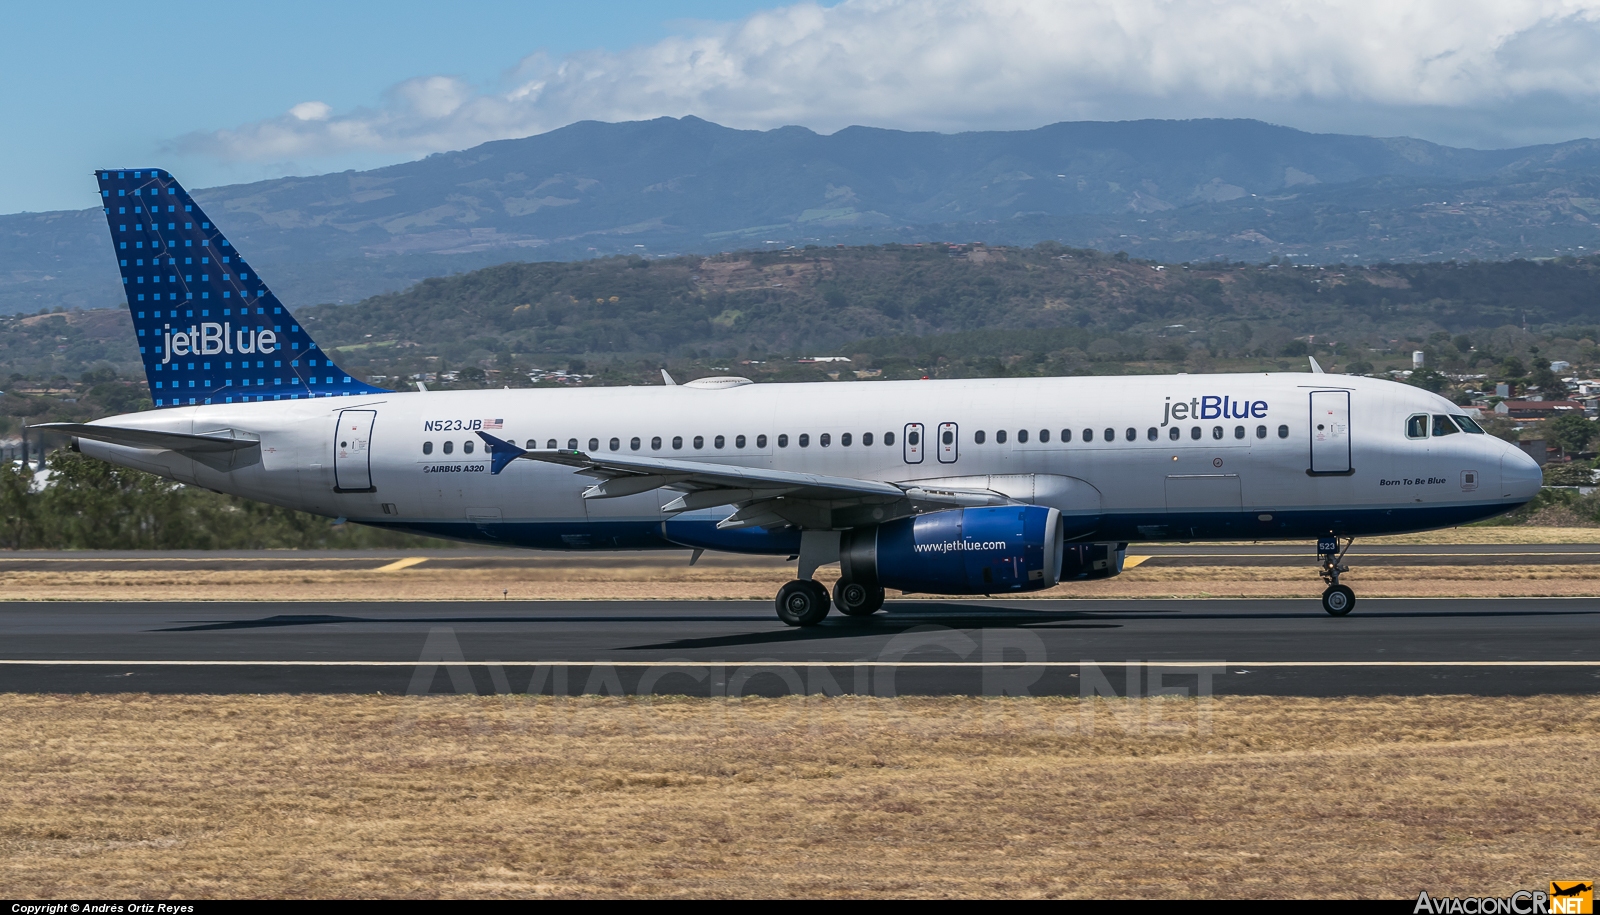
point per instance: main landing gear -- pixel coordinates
(1337, 600)
(804, 602)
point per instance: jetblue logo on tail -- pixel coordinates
(211, 339)
(198, 307)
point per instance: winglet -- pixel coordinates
(1315, 367)
(667, 378)
(501, 452)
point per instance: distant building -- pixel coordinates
(1537, 409)
(1416, 359)
(1536, 449)
(1559, 366)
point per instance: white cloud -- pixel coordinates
(1486, 71)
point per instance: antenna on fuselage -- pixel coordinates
(1316, 369)
(667, 378)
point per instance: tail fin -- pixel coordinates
(210, 331)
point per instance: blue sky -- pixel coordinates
(100, 84)
(223, 94)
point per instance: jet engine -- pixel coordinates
(958, 551)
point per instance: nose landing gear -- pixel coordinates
(1337, 600)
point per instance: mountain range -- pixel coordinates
(1175, 191)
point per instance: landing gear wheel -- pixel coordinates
(855, 599)
(802, 603)
(1338, 600)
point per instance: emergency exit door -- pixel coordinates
(949, 443)
(352, 451)
(912, 443)
(1330, 431)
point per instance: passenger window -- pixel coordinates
(914, 438)
(761, 441)
(979, 436)
(1238, 432)
(1467, 424)
(783, 441)
(449, 447)
(1195, 433)
(699, 442)
(1111, 435)
(1261, 432)
(1022, 436)
(1151, 434)
(655, 443)
(949, 438)
(572, 444)
(427, 447)
(1216, 432)
(718, 442)
(805, 439)
(1443, 426)
(1173, 433)
(1088, 435)
(466, 446)
(866, 438)
(1131, 434)
(677, 443)
(1000, 437)
(845, 440)
(824, 439)
(532, 444)
(1283, 432)
(1044, 435)
(888, 439)
(633, 443)
(738, 441)
(1417, 426)
(551, 444)
(1066, 435)
(615, 444)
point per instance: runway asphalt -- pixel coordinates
(1157, 555)
(719, 648)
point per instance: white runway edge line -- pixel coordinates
(767, 662)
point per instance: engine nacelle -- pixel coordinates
(1084, 561)
(958, 551)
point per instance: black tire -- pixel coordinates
(1338, 600)
(802, 603)
(855, 599)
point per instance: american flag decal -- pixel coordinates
(494, 423)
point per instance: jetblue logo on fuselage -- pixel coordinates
(1213, 407)
(209, 339)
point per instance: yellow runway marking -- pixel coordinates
(399, 564)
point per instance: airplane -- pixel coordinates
(957, 487)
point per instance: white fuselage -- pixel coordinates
(403, 459)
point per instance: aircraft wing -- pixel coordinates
(764, 498)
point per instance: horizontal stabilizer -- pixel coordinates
(222, 440)
(223, 450)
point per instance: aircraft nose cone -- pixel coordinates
(1520, 475)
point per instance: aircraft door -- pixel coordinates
(913, 443)
(949, 442)
(1330, 432)
(352, 451)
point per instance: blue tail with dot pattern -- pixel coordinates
(209, 330)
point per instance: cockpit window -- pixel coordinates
(1467, 424)
(1417, 426)
(1443, 426)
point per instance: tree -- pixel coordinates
(1571, 432)
(1428, 380)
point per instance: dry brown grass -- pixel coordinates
(139, 796)
(578, 581)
